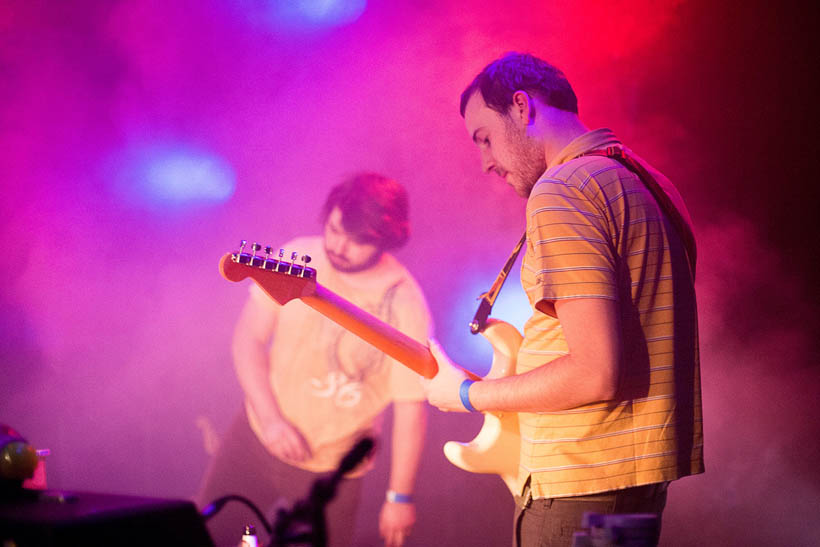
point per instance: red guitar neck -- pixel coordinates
(373, 330)
(284, 281)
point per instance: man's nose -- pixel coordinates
(339, 245)
(487, 162)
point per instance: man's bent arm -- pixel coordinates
(589, 373)
(250, 348)
(396, 519)
(409, 427)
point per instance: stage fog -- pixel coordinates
(143, 140)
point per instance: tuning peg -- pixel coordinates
(268, 264)
(256, 260)
(305, 260)
(281, 256)
(242, 257)
(293, 257)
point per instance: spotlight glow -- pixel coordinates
(474, 352)
(306, 15)
(330, 12)
(171, 176)
(182, 177)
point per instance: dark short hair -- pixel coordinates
(374, 209)
(521, 71)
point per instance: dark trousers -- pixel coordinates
(243, 466)
(551, 522)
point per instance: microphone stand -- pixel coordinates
(305, 523)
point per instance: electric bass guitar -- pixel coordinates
(494, 450)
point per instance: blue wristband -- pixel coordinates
(464, 393)
(395, 497)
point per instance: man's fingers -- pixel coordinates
(435, 349)
(289, 446)
(396, 539)
(299, 450)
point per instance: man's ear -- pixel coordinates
(523, 107)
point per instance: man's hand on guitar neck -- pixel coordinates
(443, 391)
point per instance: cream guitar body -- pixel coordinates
(495, 448)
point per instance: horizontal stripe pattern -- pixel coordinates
(594, 231)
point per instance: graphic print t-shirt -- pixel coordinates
(328, 382)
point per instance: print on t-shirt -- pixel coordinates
(348, 370)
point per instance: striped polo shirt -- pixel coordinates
(595, 231)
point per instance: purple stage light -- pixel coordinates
(171, 176)
(307, 15)
(474, 351)
(179, 177)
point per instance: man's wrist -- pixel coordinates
(464, 394)
(397, 497)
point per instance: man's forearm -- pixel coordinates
(587, 374)
(250, 346)
(559, 385)
(409, 428)
(252, 371)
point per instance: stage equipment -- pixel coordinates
(305, 523)
(51, 518)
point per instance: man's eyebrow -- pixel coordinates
(475, 135)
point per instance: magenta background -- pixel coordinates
(116, 325)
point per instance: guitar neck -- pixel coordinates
(373, 330)
(286, 281)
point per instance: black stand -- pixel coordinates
(305, 524)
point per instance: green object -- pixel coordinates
(18, 460)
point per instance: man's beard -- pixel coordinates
(342, 265)
(528, 162)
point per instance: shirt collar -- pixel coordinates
(591, 140)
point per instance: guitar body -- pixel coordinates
(495, 449)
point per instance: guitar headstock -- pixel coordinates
(281, 278)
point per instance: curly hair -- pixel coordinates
(374, 209)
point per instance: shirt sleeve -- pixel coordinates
(570, 252)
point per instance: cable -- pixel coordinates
(215, 506)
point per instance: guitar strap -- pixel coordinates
(479, 321)
(663, 200)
